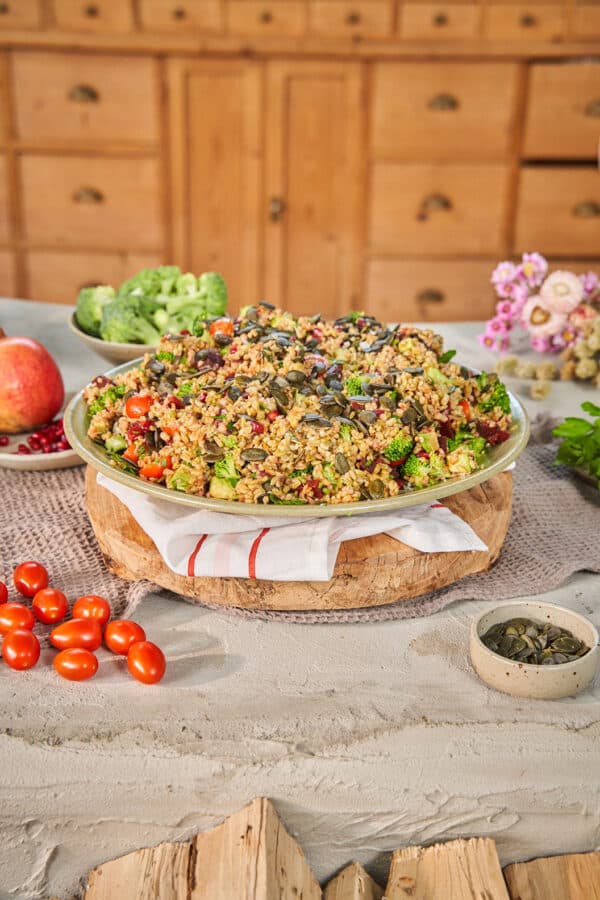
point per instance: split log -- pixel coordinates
(161, 871)
(572, 877)
(457, 870)
(353, 883)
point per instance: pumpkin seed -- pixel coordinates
(526, 640)
(253, 454)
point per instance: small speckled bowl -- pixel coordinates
(526, 680)
(110, 350)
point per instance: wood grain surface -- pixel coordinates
(369, 572)
(353, 883)
(572, 877)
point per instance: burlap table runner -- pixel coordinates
(554, 532)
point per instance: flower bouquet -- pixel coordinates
(560, 311)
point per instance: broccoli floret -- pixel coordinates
(186, 284)
(436, 376)
(466, 440)
(225, 469)
(354, 384)
(330, 473)
(421, 471)
(150, 282)
(180, 480)
(110, 395)
(165, 356)
(185, 390)
(494, 396)
(346, 432)
(461, 461)
(115, 443)
(125, 321)
(213, 291)
(399, 447)
(355, 315)
(221, 489)
(90, 303)
(229, 440)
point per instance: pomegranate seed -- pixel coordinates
(185, 331)
(23, 449)
(257, 427)
(177, 402)
(3, 440)
(271, 416)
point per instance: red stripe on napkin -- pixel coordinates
(192, 559)
(437, 506)
(254, 551)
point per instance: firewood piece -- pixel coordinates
(574, 876)
(353, 883)
(251, 857)
(457, 870)
(144, 875)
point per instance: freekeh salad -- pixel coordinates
(271, 408)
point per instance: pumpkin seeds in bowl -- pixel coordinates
(535, 643)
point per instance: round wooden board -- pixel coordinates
(369, 571)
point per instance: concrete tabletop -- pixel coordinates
(367, 737)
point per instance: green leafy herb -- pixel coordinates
(580, 447)
(447, 356)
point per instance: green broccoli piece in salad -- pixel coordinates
(110, 395)
(346, 432)
(421, 471)
(180, 480)
(225, 469)
(90, 303)
(354, 384)
(494, 394)
(466, 440)
(399, 447)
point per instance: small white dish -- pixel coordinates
(523, 679)
(110, 350)
(41, 462)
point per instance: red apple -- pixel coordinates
(31, 386)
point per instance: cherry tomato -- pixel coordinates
(146, 662)
(152, 470)
(50, 605)
(75, 664)
(15, 615)
(3, 592)
(30, 577)
(120, 634)
(131, 453)
(83, 633)
(466, 408)
(92, 607)
(20, 649)
(221, 326)
(137, 406)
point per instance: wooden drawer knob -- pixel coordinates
(276, 208)
(88, 195)
(266, 16)
(430, 295)
(528, 21)
(440, 19)
(179, 13)
(91, 11)
(4, 9)
(593, 108)
(588, 209)
(353, 18)
(84, 93)
(444, 101)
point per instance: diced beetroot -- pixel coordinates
(492, 432)
(177, 402)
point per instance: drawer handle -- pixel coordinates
(443, 101)
(440, 19)
(266, 17)
(84, 93)
(179, 13)
(430, 295)
(91, 11)
(4, 9)
(588, 209)
(276, 208)
(593, 108)
(88, 195)
(353, 18)
(528, 21)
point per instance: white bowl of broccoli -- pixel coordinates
(125, 323)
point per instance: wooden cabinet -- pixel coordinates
(546, 22)
(268, 18)
(279, 219)
(20, 14)
(440, 22)
(563, 111)
(365, 18)
(181, 15)
(57, 276)
(97, 16)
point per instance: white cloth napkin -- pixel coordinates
(194, 542)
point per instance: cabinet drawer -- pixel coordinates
(437, 209)
(446, 21)
(426, 290)
(58, 277)
(559, 211)
(93, 15)
(5, 228)
(336, 18)
(8, 278)
(90, 98)
(20, 14)
(586, 21)
(277, 17)
(181, 15)
(88, 202)
(444, 110)
(532, 22)
(568, 94)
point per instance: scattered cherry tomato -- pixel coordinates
(131, 453)
(30, 577)
(82, 633)
(3, 592)
(21, 649)
(50, 605)
(120, 634)
(466, 408)
(137, 406)
(75, 664)
(91, 606)
(221, 326)
(152, 470)
(15, 616)
(146, 662)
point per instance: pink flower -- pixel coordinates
(520, 295)
(487, 340)
(533, 268)
(541, 344)
(498, 326)
(590, 283)
(504, 272)
(504, 343)
(505, 310)
(539, 319)
(565, 337)
(562, 292)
